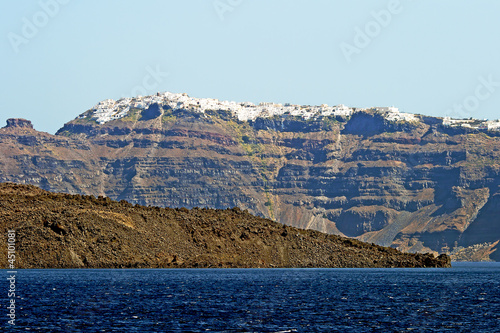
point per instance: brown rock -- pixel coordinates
(71, 231)
(19, 122)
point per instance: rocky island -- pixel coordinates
(74, 231)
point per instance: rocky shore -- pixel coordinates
(74, 231)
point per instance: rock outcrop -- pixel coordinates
(411, 182)
(19, 122)
(73, 231)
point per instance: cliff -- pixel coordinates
(73, 231)
(413, 182)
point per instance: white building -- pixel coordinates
(386, 109)
(493, 125)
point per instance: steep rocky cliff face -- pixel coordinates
(414, 185)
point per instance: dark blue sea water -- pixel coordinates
(465, 298)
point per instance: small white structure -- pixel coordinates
(386, 109)
(493, 125)
(447, 121)
(342, 110)
(401, 116)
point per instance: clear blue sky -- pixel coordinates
(423, 56)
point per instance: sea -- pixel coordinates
(464, 298)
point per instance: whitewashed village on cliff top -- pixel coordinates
(109, 110)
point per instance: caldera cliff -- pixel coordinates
(413, 182)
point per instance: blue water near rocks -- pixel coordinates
(465, 298)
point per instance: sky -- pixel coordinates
(59, 58)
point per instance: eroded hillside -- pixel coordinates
(73, 231)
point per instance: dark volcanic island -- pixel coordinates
(74, 231)
(407, 181)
